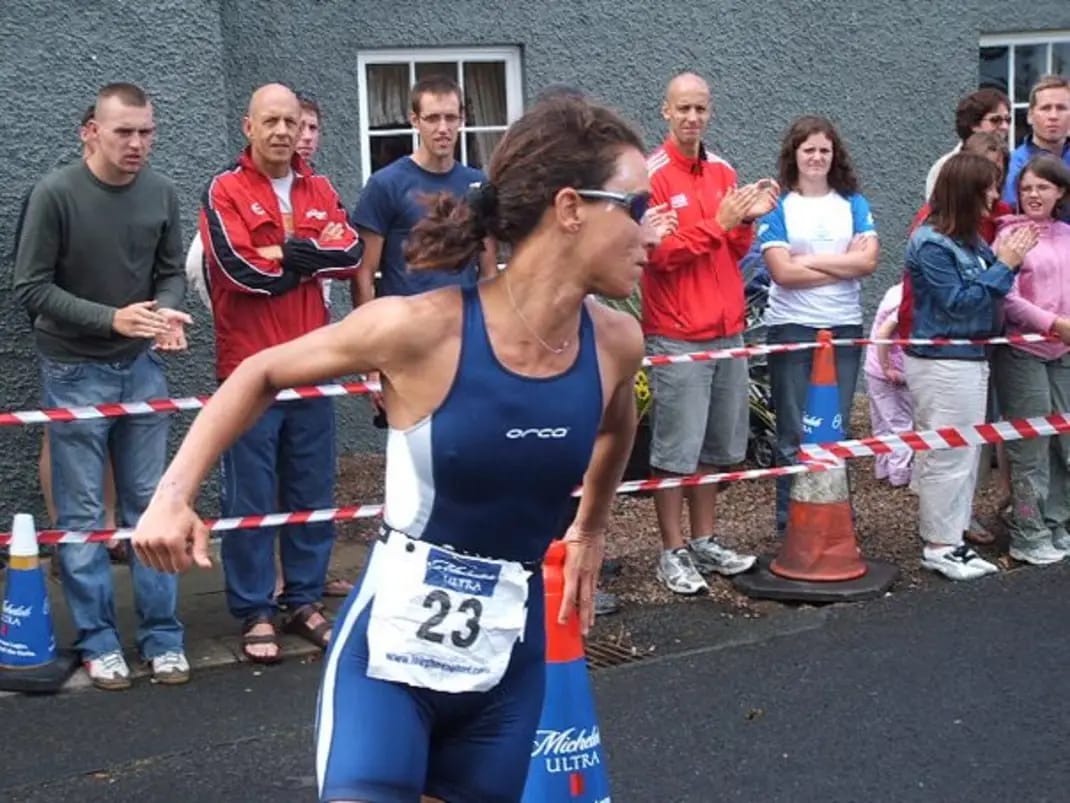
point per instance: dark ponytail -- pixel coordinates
(452, 233)
(562, 141)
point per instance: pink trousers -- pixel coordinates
(890, 412)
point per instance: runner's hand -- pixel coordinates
(141, 320)
(170, 537)
(583, 559)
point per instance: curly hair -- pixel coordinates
(842, 176)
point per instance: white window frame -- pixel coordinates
(514, 100)
(1010, 41)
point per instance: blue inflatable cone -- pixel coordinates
(29, 660)
(567, 761)
(822, 422)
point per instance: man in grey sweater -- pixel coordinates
(99, 268)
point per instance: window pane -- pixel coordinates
(484, 85)
(1029, 63)
(426, 68)
(993, 67)
(1021, 127)
(388, 96)
(1060, 58)
(480, 146)
(385, 149)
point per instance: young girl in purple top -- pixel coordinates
(890, 410)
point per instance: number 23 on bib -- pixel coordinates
(443, 621)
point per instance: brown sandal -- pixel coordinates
(298, 625)
(266, 638)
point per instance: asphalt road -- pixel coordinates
(954, 693)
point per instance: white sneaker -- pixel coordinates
(108, 671)
(957, 562)
(1037, 554)
(709, 556)
(171, 668)
(677, 571)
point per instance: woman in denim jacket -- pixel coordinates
(958, 285)
(1033, 379)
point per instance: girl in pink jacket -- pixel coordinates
(1034, 379)
(890, 410)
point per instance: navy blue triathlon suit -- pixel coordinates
(487, 476)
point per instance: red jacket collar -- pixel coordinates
(677, 157)
(297, 164)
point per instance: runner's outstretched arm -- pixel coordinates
(170, 537)
(585, 539)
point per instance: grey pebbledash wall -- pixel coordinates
(888, 73)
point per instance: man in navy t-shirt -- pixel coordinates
(392, 201)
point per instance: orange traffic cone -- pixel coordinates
(820, 540)
(567, 762)
(29, 660)
(820, 559)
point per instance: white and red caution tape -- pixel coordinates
(117, 409)
(814, 457)
(943, 438)
(214, 525)
(782, 348)
(370, 511)
(660, 483)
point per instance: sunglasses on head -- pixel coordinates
(635, 203)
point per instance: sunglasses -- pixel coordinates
(635, 203)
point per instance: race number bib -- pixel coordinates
(443, 621)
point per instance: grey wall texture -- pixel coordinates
(889, 75)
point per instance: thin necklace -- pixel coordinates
(523, 320)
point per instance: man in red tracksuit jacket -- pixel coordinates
(693, 301)
(272, 230)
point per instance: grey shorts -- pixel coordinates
(700, 413)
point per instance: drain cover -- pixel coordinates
(604, 654)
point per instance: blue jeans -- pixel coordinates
(138, 447)
(789, 383)
(284, 462)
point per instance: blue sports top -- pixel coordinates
(491, 471)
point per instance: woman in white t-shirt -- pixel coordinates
(818, 243)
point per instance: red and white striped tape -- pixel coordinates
(814, 457)
(117, 409)
(215, 525)
(942, 438)
(781, 348)
(370, 511)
